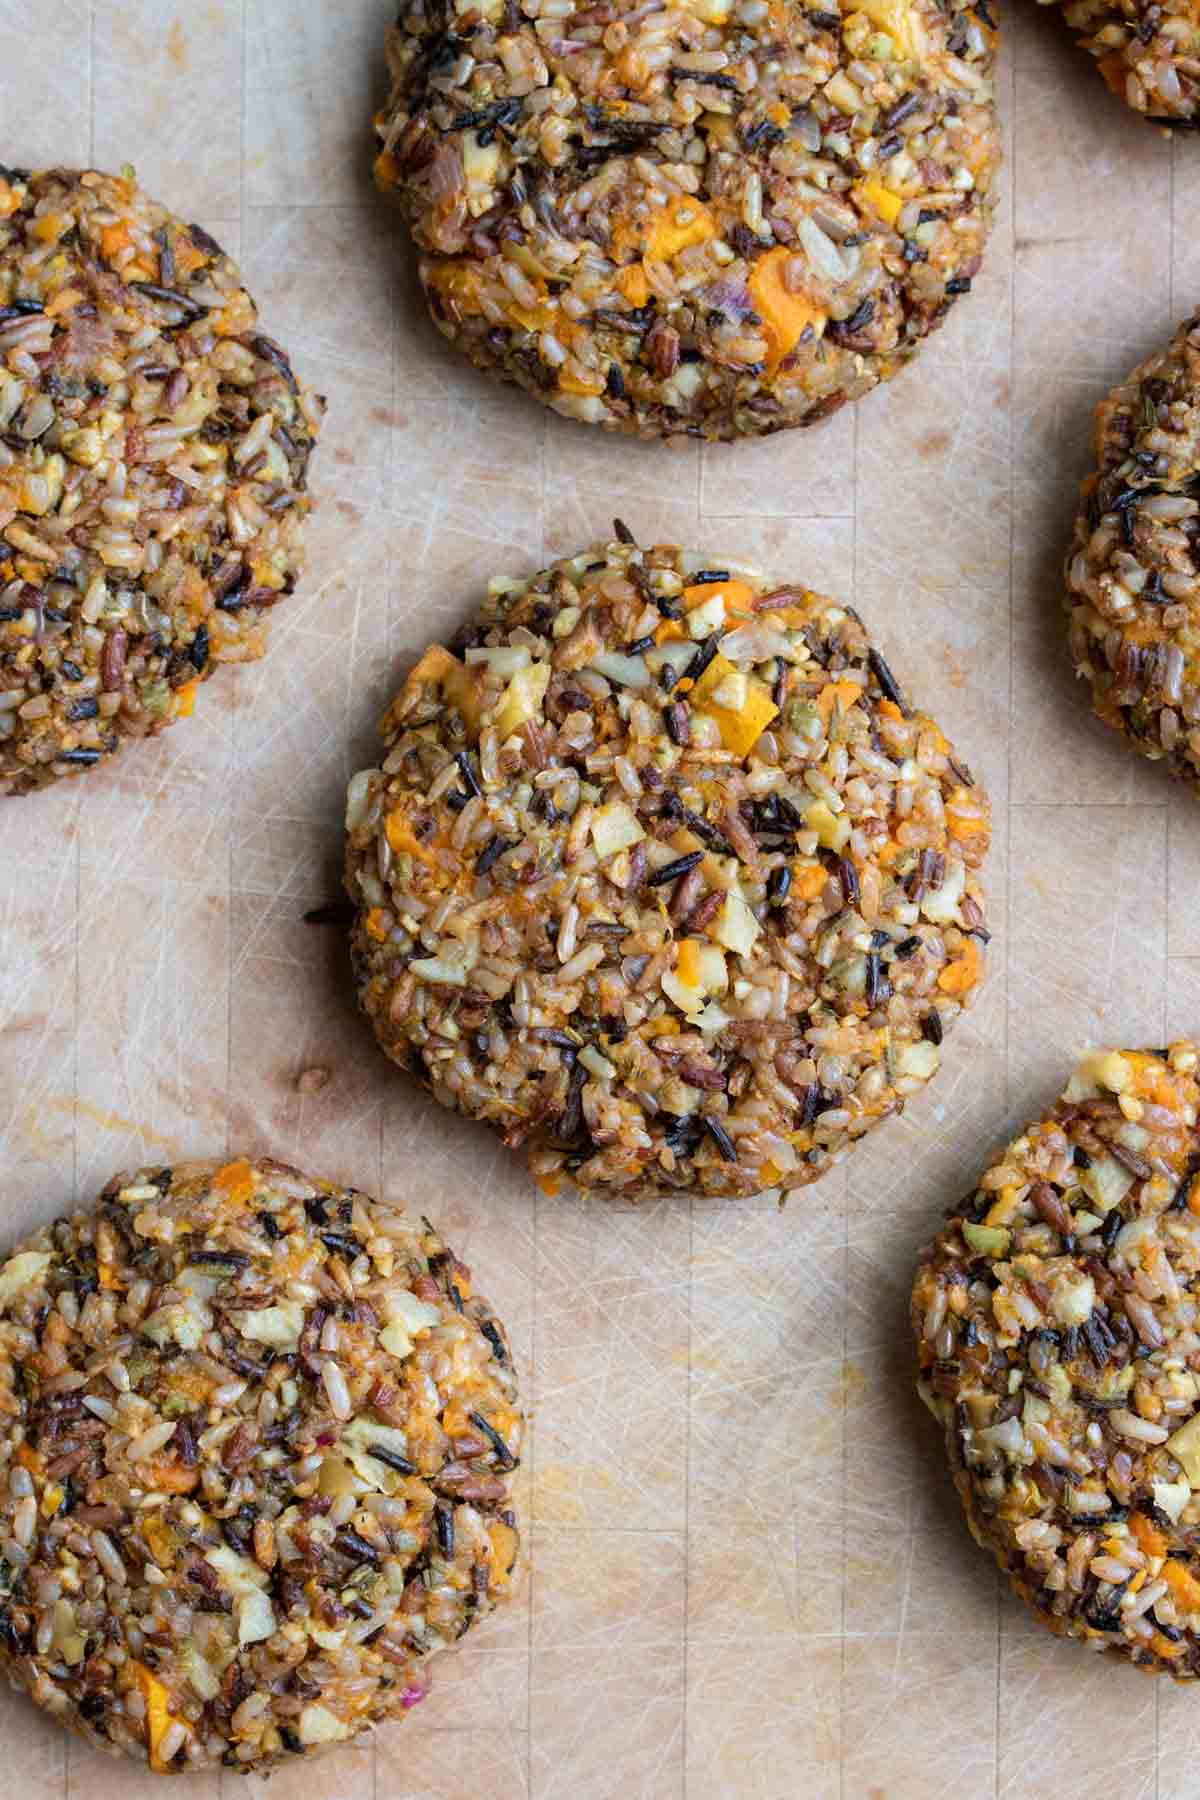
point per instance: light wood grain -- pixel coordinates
(750, 1577)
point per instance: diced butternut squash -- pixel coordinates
(1149, 1538)
(454, 1420)
(961, 975)
(842, 694)
(740, 730)
(808, 883)
(687, 962)
(895, 17)
(964, 818)
(434, 665)
(717, 670)
(1185, 1589)
(503, 1552)
(680, 223)
(158, 1713)
(633, 284)
(737, 595)
(376, 927)
(235, 1180)
(185, 698)
(114, 239)
(457, 283)
(169, 1477)
(459, 685)
(402, 839)
(64, 301)
(160, 1539)
(785, 315)
(881, 200)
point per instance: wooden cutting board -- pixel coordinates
(751, 1579)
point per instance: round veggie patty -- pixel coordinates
(1146, 52)
(254, 1464)
(662, 875)
(713, 218)
(154, 448)
(1056, 1324)
(1133, 570)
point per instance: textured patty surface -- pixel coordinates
(256, 1435)
(1133, 571)
(662, 876)
(154, 448)
(1057, 1318)
(710, 219)
(1148, 53)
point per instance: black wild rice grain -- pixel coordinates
(673, 870)
(720, 1137)
(507, 1459)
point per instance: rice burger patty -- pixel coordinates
(1055, 1319)
(254, 1464)
(663, 877)
(153, 455)
(1147, 54)
(1133, 570)
(710, 219)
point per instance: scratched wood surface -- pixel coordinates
(749, 1576)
